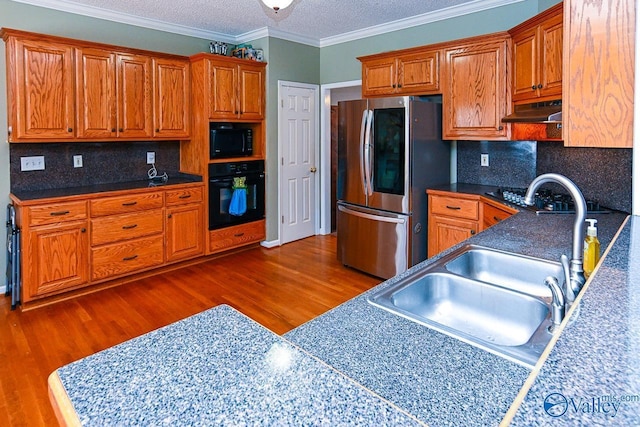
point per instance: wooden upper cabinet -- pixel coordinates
(237, 90)
(537, 57)
(96, 83)
(251, 92)
(476, 95)
(414, 72)
(40, 90)
(171, 98)
(597, 97)
(134, 96)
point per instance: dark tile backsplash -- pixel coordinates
(602, 174)
(103, 163)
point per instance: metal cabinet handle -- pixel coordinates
(58, 213)
(238, 235)
(130, 204)
(129, 227)
(313, 170)
(455, 208)
(184, 196)
(495, 218)
(130, 258)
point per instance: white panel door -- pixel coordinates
(298, 124)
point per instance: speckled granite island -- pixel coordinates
(358, 364)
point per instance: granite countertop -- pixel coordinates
(358, 364)
(216, 368)
(174, 179)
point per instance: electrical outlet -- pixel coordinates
(484, 160)
(32, 163)
(151, 157)
(77, 161)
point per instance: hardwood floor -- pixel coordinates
(280, 288)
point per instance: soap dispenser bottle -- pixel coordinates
(591, 248)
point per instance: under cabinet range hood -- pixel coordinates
(543, 112)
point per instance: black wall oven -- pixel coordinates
(221, 188)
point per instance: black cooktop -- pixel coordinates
(546, 201)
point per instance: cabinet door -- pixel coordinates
(185, 232)
(134, 96)
(224, 83)
(475, 95)
(96, 97)
(491, 215)
(551, 58)
(250, 92)
(445, 232)
(419, 73)
(171, 98)
(42, 91)
(58, 258)
(525, 65)
(379, 77)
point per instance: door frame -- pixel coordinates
(316, 132)
(324, 206)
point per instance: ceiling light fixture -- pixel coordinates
(277, 4)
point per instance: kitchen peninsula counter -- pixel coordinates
(390, 367)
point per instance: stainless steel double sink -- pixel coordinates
(488, 298)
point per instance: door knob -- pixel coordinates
(313, 170)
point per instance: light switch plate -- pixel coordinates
(32, 163)
(77, 161)
(484, 160)
(151, 157)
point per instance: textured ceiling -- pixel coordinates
(309, 20)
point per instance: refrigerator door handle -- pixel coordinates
(363, 127)
(368, 155)
(393, 220)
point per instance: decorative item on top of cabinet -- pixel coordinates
(452, 219)
(475, 94)
(60, 89)
(598, 73)
(537, 57)
(413, 71)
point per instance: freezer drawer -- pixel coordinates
(372, 241)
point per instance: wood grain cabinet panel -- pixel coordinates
(251, 92)
(134, 96)
(121, 258)
(494, 213)
(476, 96)
(236, 236)
(598, 74)
(185, 231)
(96, 93)
(236, 90)
(52, 213)
(115, 228)
(171, 98)
(451, 219)
(40, 89)
(125, 204)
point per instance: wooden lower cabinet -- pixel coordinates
(236, 236)
(494, 213)
(445, 232)
(55, 259)
(96, 238)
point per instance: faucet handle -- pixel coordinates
(557, 303)
(568, 291)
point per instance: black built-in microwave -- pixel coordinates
(225, 140)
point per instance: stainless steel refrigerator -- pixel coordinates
(390, 151)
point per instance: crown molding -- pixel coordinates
(123, 18)
(414, 21)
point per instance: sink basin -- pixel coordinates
(491, 299)
(512, 271)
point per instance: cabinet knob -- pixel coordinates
(169, 216)
(120, 129)
(393, 85)
(113, 129)
(157, 130)
(399, 85)
(539, 85)
(83, 230)
(533, 87)
(473, 232)
(69, 129)
(500, 127)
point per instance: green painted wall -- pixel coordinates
(546, 4)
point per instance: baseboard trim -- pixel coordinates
(270, 243)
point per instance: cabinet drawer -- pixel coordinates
(453, 206)
(121, 258)
(181, 197)
(492, 215)
(125, 204)
(57, 212)
(115, 228)
(238, 235)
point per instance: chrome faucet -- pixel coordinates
(557, 303)
(574, 274)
